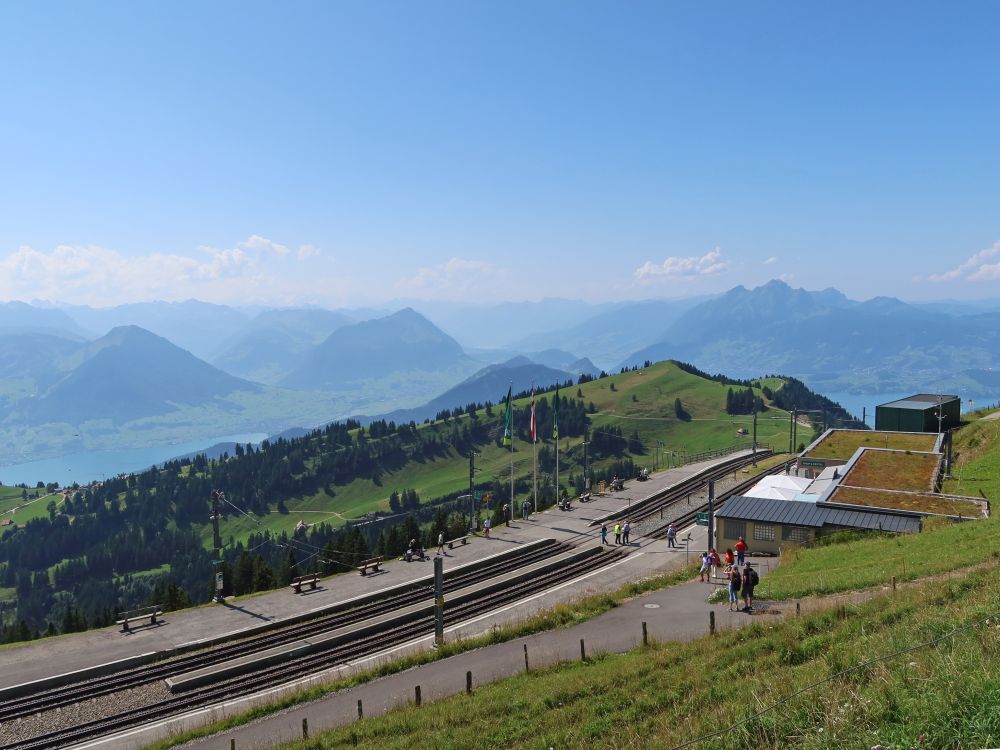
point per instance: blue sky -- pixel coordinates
(351, 153)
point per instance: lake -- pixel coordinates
(854, 402)
(88, 466)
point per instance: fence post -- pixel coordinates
(232, 744)
(894, 584)
(798, 609)
(468, 683)
(361, 711)
(305, 728)
(526, 668)
(711, 622)
(645, 635)
(583, 651)
(416, 694)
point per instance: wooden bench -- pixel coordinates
(152, 612)
(373, 563)
(459, 540)
(297, 582)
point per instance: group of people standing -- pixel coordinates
(622, 530)
(739, 574)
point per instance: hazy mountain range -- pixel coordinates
(78, 378)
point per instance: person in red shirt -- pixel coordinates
(741, 550)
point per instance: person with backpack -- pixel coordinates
(618, 533)
(730, 558)
(735, 582)
(741, 551)
(750, 579)
(716, 563)
(626, 528)
(604, 533)
(706, 562)
(671, 536)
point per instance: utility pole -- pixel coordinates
(795, 429)
(754, 456)
(711, 511)
(439, 601)
(791, 439)
(586, 459)
(472, 491)
(217, 545)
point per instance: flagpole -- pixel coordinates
(534, 462)
(556, 430)
(510, 408)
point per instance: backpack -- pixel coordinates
(754, 578)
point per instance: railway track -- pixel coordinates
(689, 517)
(90, 688)
(651, 506)
(406, 629)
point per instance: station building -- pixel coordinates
(921, 412)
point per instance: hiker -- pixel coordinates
(486, 526)
(604, 533)
(440, 542)
(730, 559)
(526, 509)
(706, 562)
(625, 532)
(506, 514)
(671, 536)
(716, 563)
(735, 583)
(741, 551)
(750, 579)
(618, 533)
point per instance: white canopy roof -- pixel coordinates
(779, 487)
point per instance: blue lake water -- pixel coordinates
(88, 466)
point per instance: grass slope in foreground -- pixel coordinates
(661, 696)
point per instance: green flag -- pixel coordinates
(507, 426)
(555, 416)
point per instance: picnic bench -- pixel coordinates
(152, 612)
(297, 582)
(458, 540)
(372, 563)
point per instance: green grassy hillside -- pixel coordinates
(640, 401)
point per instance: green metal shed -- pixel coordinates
(919, 413)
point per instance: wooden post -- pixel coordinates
(416, 694)
(645, 635)
(526, 668)
(894, 584)
(583, 651)
(468, 683)
(361, 711)
(711, 622)
(232, 744)
(305, 728)
(798, 609)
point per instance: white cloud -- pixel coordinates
(771, 260)
(255, 271)
(457, 279)
(974, 269)
(709, 264)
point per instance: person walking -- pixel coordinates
(741, 551)
(526, 509)
(671, 536)
(440, 542)
(618, 533)
(486, 527)
(706, 562)
(604, 533)
(735, 584)
(716, 563)
(626, 528)
(749, 581)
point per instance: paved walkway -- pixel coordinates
(678, 613)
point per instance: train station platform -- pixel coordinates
(182, 630)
